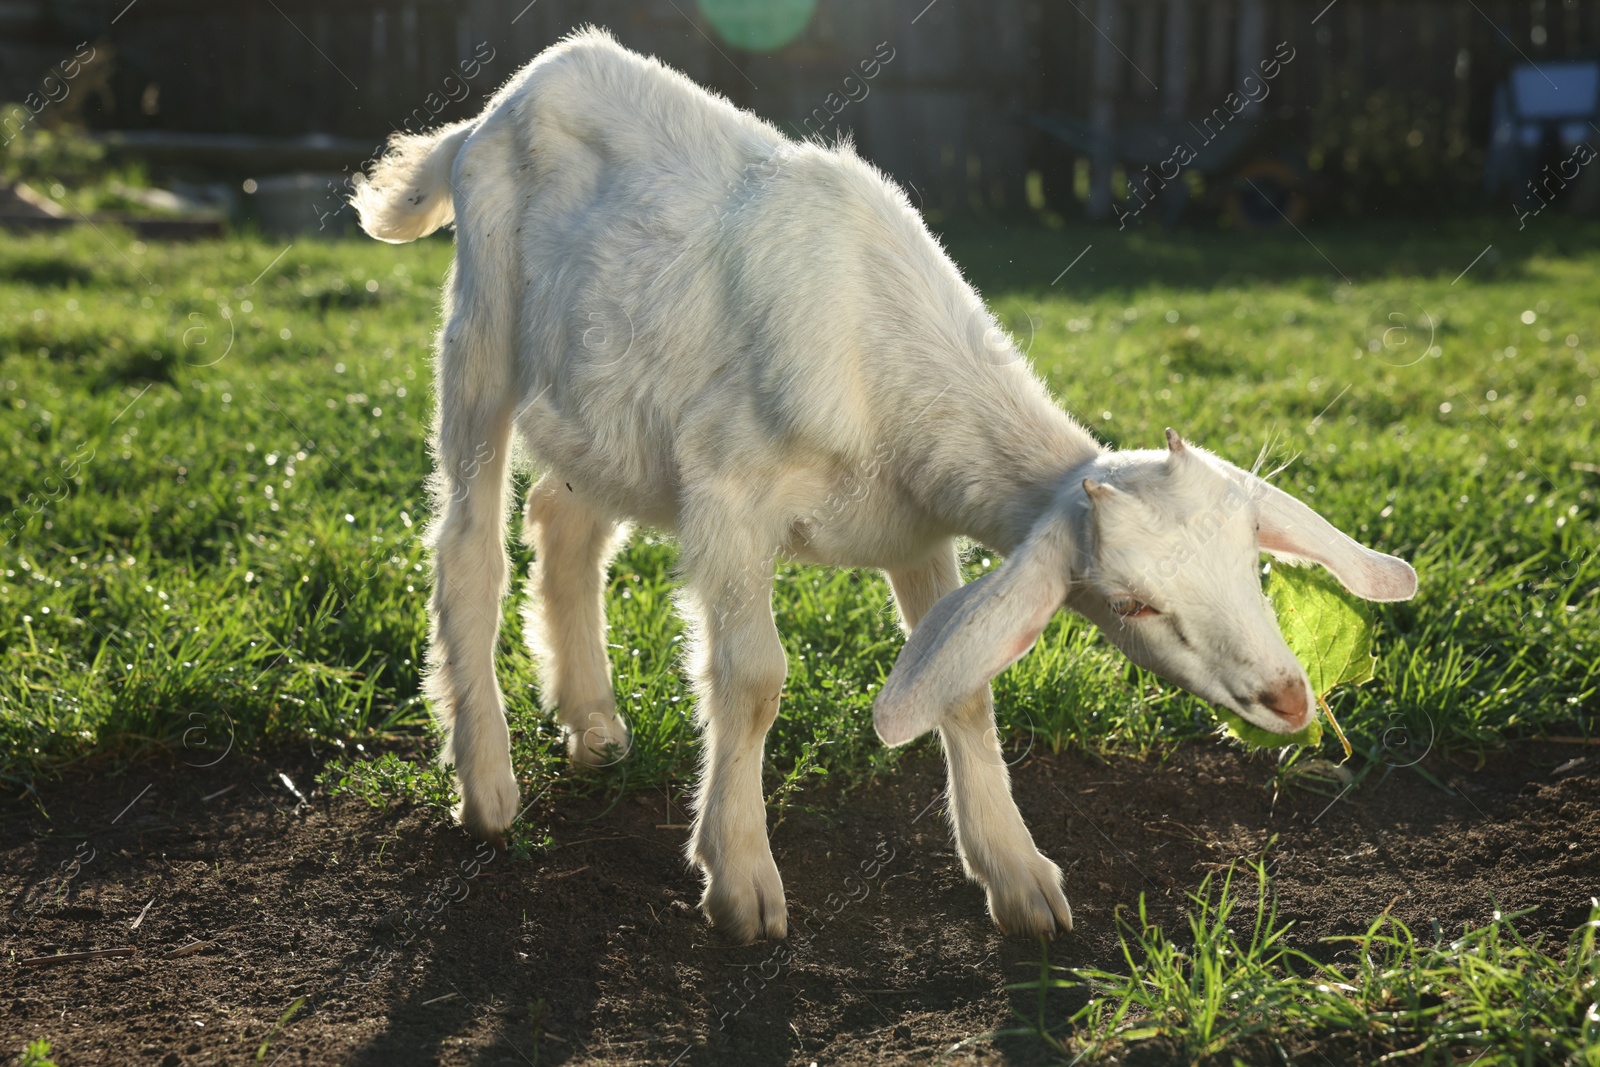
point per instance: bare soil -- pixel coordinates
(410, 944)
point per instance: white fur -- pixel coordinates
(698, 324)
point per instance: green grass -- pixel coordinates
(215, 455)
(36, 1054)
(1234, 985)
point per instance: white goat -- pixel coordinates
(694, 322)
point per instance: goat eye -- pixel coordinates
(1131, 607)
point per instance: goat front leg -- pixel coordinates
(739, 668)
(566, 623)
(997, 851)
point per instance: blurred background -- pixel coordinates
(1244, 113)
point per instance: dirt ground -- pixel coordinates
(411, 945)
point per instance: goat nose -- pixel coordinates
(1287, 701)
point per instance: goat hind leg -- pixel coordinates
(470, 575)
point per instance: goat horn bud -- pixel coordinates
(1097, 491)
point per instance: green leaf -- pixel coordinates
(1330, 633)
(1256, 737)
(1328, 629)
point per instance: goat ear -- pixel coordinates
(1290, 528)
(973, 634)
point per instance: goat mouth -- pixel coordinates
(1275, 721)
(1267, 718)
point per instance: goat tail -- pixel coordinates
(407, 194)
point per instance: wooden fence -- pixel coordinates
(1379, 91)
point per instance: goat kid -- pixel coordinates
(776, 319)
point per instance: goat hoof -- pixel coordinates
(1029, 902)
(744, 907)
(601, 741)
(489, 804)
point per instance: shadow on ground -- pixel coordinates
(411, 945)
